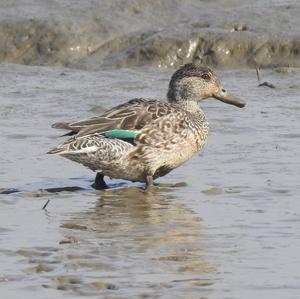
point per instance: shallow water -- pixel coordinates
(224, 225)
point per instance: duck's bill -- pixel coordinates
(227, 98)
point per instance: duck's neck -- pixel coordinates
(186, 101)
(190, 106)
(199, 123)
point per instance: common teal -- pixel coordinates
(144, 139)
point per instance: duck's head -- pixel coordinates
(193, 82)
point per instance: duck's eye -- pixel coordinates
(205, 76)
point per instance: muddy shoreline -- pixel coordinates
(90, 35)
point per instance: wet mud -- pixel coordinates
(94, 35)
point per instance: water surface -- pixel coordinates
(224, 225)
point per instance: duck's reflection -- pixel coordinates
(138, 239)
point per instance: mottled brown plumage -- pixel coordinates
(134, 114)
(167, 134)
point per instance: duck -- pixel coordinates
(144, 139)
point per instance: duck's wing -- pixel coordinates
(132, 115)
(162, 134)
(171, 125)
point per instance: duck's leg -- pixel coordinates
(149, 182)
(99, 182)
